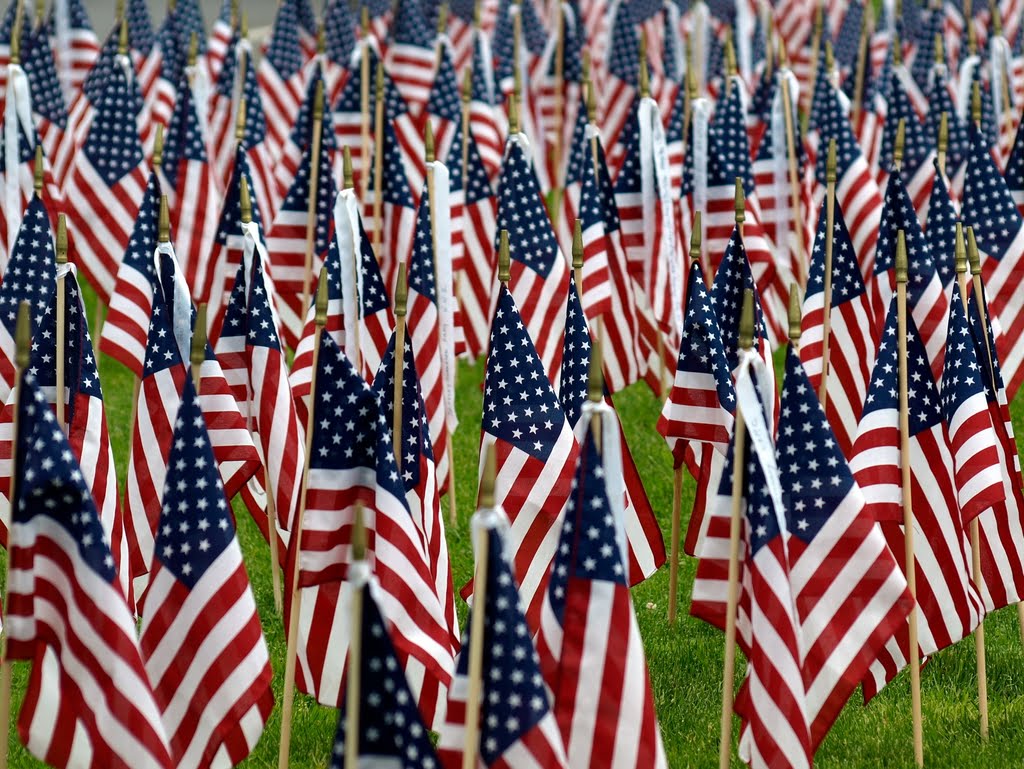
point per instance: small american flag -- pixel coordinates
(620, 88)
(199, 616)
(397, 208)
(940, 100)
(851, 345)
(160, 72)
(517, 724)
(352, 462)
(221, 43)
(92, 639)
(487, 123)
(949, 606)
(918, 147)
(107, 183)
(988, 206)
(697, 418)
(589, 635)
(941, 229)
(540, 273)
(411, 58)
(536, 449)
(391, 729)
(77, 46)
(48, 104)
(281, 76)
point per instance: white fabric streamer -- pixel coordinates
(675, 26)
(963, 86)
(1001, 57)
(62, 35)
(252, 242)
(181, 302)
(699, 48)
(346, 231)
(445, 288)
(701, 116)
(745, 28)
(17, 113)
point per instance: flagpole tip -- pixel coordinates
(585, 64)
(513, 115)
(595, 377)
(442, 19)
(199, 338)
(364, 20)
(487, 478)
(244, 200)
(243, 25)
(321, 38)
(591, 103)
(401, 292)
(960, 250)
(122, 39)
(901, 256)
(346, 168)
(730, 55)
(163, 222)
(897, 145)
(428, 142)
(193, 49)
(645, 75)
(359, 534)
(795, 314)
(23, 335)
(897, 50)
(939, 53)
(62, 239)
(830, 164)
(240, 121)
(504, 258)
(577, 245)
(15, 55)
(830, 56)
(378, 81)
(695, 236)
(37, 172)
(973, 255)
(976, 102)
(746, 329)
(942, 144)
(740, 202)
(467, 85)
(318, 100)
(320, 316)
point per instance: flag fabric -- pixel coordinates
(539, 271)
(851, 334)
(107, 182)
(645, 547)
(254, 362)
(517, 723)
(988, 207)
(18, 141)
(536, 450)
(591, 653)
(200, 629)
(949, 607)
(391, 728)
(397, 208)
(48, 105)
(77, 47)
(848, 589)
(281, 76)
(88, 702)
(487, 123)
(918, 148)
(940, 230)
(351, 463)
(697, 418)
(411, 58)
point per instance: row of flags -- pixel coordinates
(386, 193)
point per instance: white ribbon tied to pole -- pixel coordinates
(17, 121)
(445, 288)
(346, 233)
(963, 86)
(701, 114)
(675, 25)
(1001, 57)
(780, 150)
(180, 304)
(253, 243)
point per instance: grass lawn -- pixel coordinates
(685, 660)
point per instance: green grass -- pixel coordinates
(685, 660)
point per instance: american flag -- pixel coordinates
(512, 688)
(988, 207)
(940, 100)
(918, 148)
(107, 182)
(940, 230)
(352, 462)
(300, 135)
(851, 346)
(222, 40)
(697, 418)
(487, 123)
(340, 42)
(949, 607)
(972, 439)
(365, 337)
(540, 273)
(849, 592)
(200, 627)
(347, 115)
(161, 71)
(18, 140)
(421, 482)
(411, 57)
(286, 238)
(223, 107)
(645, 547)
(1014, 172)
(57, 546)
(591, 653)
(426, 329)
(281, 77)
(620, 88)
(927, 298)
(536, 450)
(1002, 532)
(391, 728)
(579, 155)
(48, 104)
(167, 348)
(189, 183)
(254, 362)
(475, 283)
(77, 47)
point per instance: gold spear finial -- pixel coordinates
(830, 162)
(960, 250)
(378, 81)
(321, 38)
(163, 222)
(322, 296)
(595, 377)
(193, 49)
(486, 495)
(901, 256)
(62, 239)
(897, 145)
(746, 329)
(243, 25)
(346, 168)
(240, 121)
(359, 534)
(973, 255)
(467, 84)
(795, 314)
(428, 142)
(585, 64)
(942, 144)
(740, 202)
(198, 352)
(477, 11)
(37, 171)
(364, 20)
(695, 238)
(830, 57)
(644, 78)
(318, 100)
(23, 335)
(997, 19)
(897, 50)
(577, 245)
(15, 55)
(691, 84)
(504, 260)
(401, 292)
(122, 37)
(591, 103)
(442, 19)
(939, 50)
(158, 146)
(513, 115)
(244, 200)
(972, 37)
(730, 56)
(976, 102)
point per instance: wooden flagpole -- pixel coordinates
(592, 119)
(746, 340)
(942, 144)
(862, 59)
(908, 512)
(62, 260)
(559, 116)
(830, 223)
(577, 256)
(795, 316)
(245, 206)
(997, 31)
(794, 177)
(979, 634)
(481, 537)
(401, 299)
(23, 343)
(347, 183)
(314, 193)
(378, 157)
(467, 101)
(353, 682)
(288, 697)
(198, 350)
(364, 104)
(819, 26)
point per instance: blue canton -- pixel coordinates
(521, 211)
(415, 427)
(575, 358)
(988, 206)
(284, 52)
(701, 350)
(941, 232)
(847, 282)
(47, 98)
(961, 374)
(731, 281)
(30, 274)
(112, 145)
